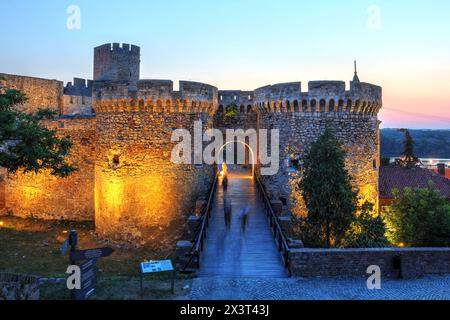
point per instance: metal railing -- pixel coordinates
(200, 233)
(277, 231)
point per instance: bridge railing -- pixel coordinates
(277, 231)
(200, 233)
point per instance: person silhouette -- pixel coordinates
(224, 169)
(225, 183)
(227, 213)
(244, 218)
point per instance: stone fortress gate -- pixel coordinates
(122, 127)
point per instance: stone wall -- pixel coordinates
(76, 105)
(156, 89)
(242, 99)
(47, 197)
(16, 287)
(41, 93)
(415, 262)
(79, 87)
(141, 196)
(190, 90)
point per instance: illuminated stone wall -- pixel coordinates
(301, 117)
(46, 197)
(140, 195)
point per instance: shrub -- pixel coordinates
(419, 218)
(367, 231)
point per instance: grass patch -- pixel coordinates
(32, 247)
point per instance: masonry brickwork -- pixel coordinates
(44, 196)
(394, 263)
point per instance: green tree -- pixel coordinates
(231, 111)
(25, 144)
(385, 161)
(419, 218)
(409, 158)
(367, 231)
(327, 191)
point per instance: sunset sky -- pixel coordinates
(245, 44)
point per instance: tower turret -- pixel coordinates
(117, 63)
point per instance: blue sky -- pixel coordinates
(245, 44)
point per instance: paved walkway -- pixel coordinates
(234, 252)
(429, 288)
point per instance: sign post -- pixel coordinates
(86, 260)
(157, 267)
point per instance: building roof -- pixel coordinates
(447, 172)
(395, 177)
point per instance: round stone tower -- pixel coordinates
(117, 63)
(301, 117)
(141, 196)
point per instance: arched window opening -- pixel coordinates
(341, 105)
(116, 160)
(349, 105)
(305, 105)
(332, 105)
(296, 107)
(322, 105)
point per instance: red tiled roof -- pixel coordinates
(447, 172)
(395, 177)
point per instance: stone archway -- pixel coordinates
(252, 153)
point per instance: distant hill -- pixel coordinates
(429, 143)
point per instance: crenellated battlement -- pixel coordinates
(155, 106)
(155, 96)
(79, 87)
(123, 48)
(236, 97)
(321, 97)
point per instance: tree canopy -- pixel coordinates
(25, 143)
(408, 159)
(419, 218)
(367, 231)
(327, 191)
